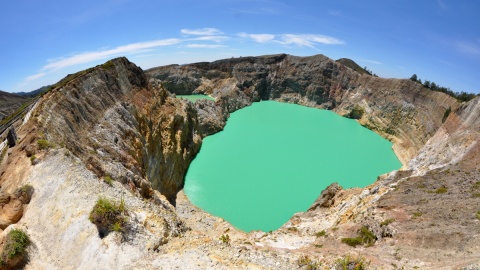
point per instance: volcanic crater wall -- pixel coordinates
(124, 123)
(400, 110)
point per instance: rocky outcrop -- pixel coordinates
(123, 126)
(400, 110)
(11, 205)
(457, 141)
(326, 198)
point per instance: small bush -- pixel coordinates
(478, 215)
(308, 263)
(386, 222)
(365, 237)
(321, 233)
(350, 263)
(417, 214)
(441, 190)
(44, 144)
(33, 160)
(16, 244)
(353, 242)
(225, 238)
(108, 216)
(108, 180)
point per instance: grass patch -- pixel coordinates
(478, 215)
(441, 190)
(108, 180)
(386, 222)
(364, 237)
(321, 234)
(351, 263)
(16, 244)
(109, 216)
(417, 214)
(44, 144)
(305, 261)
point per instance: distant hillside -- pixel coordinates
(33, 93)
(351, 64)
(9, 103)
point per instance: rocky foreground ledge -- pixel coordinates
(114, 138)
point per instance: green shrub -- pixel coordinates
(364, 237)
(441, 190)
(308, 263)
(350, 263)
(386, 222)
(417, 214)
(107, 179)
(478, 215)
(109, 216)
(353, 242)
(33, 158)
(16, 244)
(225, 238)
(44, 144)
(321, 233)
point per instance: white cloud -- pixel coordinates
(35, 76)
(206, 46)
(87, 57)
(303, 40)
(309, 40)
(201, 32)
(205, 35)
(211, 38)
(371, 61)
(469, 48)
(260, 38)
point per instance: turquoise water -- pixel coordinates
(194, 98)
(274, 159)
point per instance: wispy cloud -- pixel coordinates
(87, 57)
(193, 38)
(302, 40)
(206, 46)
(35, 76)
(211, 38)
(260, 38)
(468, 48)
(201, 32)
(370, 61)
(308, 40)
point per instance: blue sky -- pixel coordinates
(43, 41)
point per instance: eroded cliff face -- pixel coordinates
(124, 126)
(400, 110)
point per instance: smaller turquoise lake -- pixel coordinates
(194, 98)
(273, 159)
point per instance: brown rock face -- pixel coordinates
(11, 205)
(123, 126)
(400, 110)
(326, 198)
